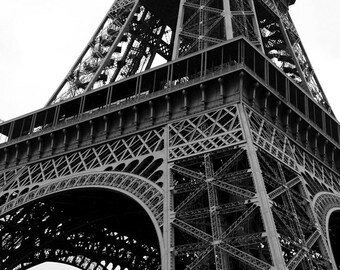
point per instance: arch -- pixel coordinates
(324, 205)
(146, 193)
(48, 264)
(330, 213)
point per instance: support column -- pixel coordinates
(262, 196)
(227, 20)
(180, 17)
(215, 219)
(167, 260)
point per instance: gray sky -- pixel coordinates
(40, 40)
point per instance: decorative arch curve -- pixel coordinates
(324, 204)
(146, 193)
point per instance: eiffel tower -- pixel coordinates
(226, 156)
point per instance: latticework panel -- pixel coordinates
(149, 194)
(126, 154)
(135, 34)
(322, 204)
(281, 146)
(211, 130)
(271, 139)
(205, 23)
(125, 43)
(293, 177)
(212, 182)
(217, 223)
(299, 237)
(283, 45)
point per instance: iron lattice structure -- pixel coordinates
(225, 157)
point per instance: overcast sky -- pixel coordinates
(41, 39)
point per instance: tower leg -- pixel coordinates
(262, 197)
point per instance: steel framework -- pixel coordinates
(225, 157)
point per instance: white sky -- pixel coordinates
(40, 40)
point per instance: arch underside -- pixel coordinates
(327, 207)
(334, 235)
(86, 228)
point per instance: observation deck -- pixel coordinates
(209, 78)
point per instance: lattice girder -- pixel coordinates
(223, 237)
(282, 44)
(148, 193)
(201, 24)
(216, 148)
(126, 42)
(198, 134)
(134, 32)
(294, 214)
(116, 155)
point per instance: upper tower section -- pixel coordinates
(136, 35)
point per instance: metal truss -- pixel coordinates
(322, 204)
(282, 44)
(278, 144)
(134, 32)
(217, 221)
(290, 183)
(218, 214)
(212, 130)
(208, 183)
(202, 23)
(300, 238)
(271, 139)
(126, 42)
(148, 193)
(135, 154)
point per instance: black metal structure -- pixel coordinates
(224, 157)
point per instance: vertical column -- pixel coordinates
(215, 219)
(168, 260)
(256, 26)
(227, 20)
(262, 197)
(180, 18)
